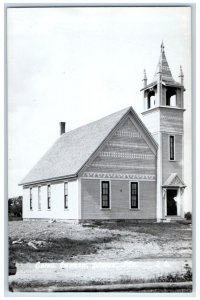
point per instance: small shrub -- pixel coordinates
(15, 206)
(188, 216)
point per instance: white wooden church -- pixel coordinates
(116, 168)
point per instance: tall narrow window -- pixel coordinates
(134, 194)
(49, 197)
(39, 197)
(31, 199)
(148, 103)
(105, 194)
(171, 147)
(66, 195)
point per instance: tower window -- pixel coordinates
(151, 99)
(171, 97)
(171, 147)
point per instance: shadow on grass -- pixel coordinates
(55, 250)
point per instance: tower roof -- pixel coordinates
(165, 73)
(163, 67)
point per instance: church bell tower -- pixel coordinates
(163, 116)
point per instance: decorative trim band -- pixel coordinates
(126, 155)
(127, 134)
(123, 145)
(142, 177)
(122, 166)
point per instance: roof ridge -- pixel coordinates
(93, 122)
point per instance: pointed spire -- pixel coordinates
(145, 78)
(181, 75)
(162, 47)
(163, 67)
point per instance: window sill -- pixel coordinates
(105, 208)
(66, 209)
(136, 209)
(172, 160)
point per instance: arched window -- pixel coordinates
(151, 99)
(171, 97)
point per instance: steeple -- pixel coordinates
(163, 66)
(163, 90)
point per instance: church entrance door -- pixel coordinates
(171, 203)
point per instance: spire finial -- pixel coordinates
(162, 47)
(181, 75)
(145, 78)
(181, 72)
(145, 74)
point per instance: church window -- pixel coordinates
(39, 197)
(134, 194)
(66, 195)
(171, 147)
(31, 199)
(49, 197)
(105, 194)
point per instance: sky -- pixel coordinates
(80, 64)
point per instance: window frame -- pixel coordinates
(138, 195)
(39, 197)
(48, 197)
(109, 194)
(31, 199)
(169, 146)
(66, 195)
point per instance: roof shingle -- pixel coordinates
(72, 149)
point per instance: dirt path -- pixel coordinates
(81, 273)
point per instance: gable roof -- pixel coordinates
(174, 180)
(74, 148)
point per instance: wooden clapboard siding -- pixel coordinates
(126, 152)
(171, 166)
(120, 207)
(171, 120)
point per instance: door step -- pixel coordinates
(173, 219)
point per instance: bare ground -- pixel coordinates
(109, 242)
(63, 254)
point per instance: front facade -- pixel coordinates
(116, 168)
